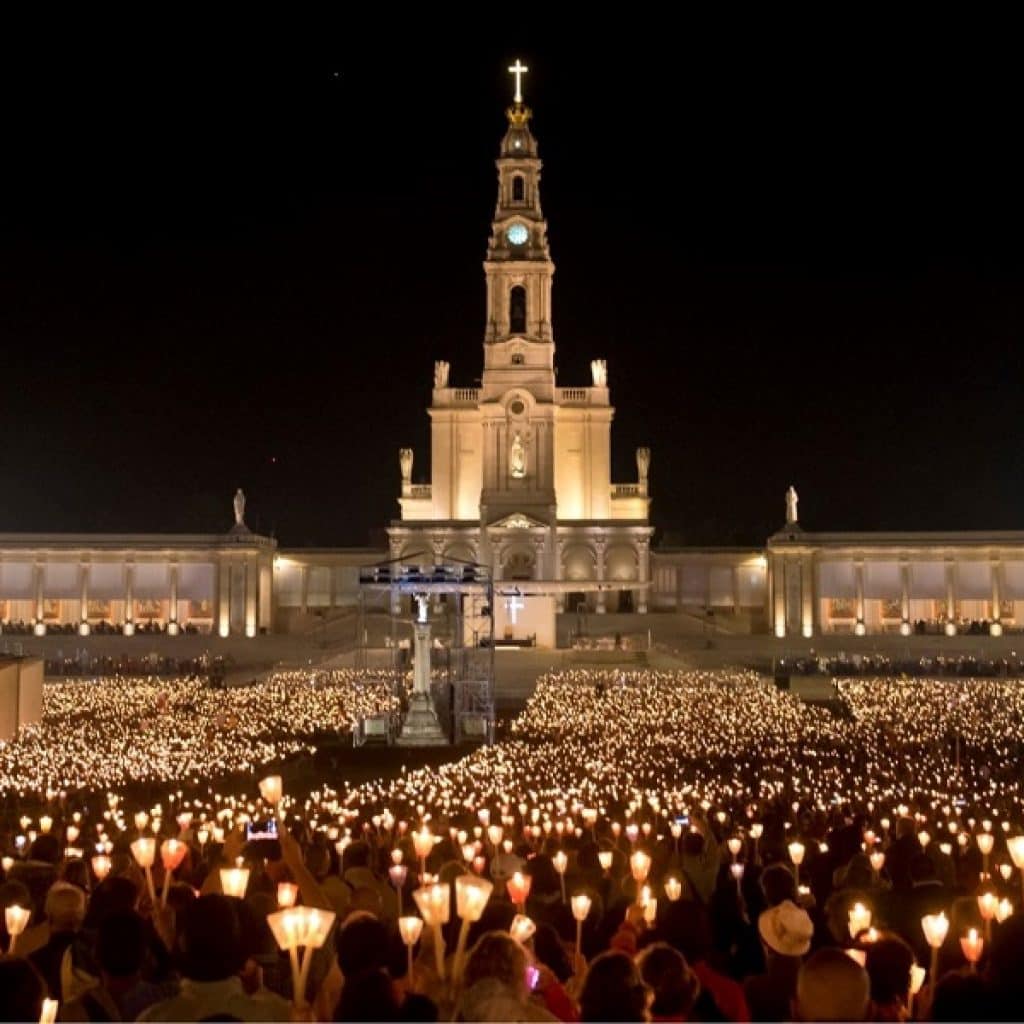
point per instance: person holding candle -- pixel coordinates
(211, 955)
(496, 985)
(830, 986)
(888, 961)
(65, 913)
(786, 932)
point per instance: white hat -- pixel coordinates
(786, 929)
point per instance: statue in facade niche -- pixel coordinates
(643, 464)
(517, 456)
(599, 372)
(239, 504)
(791, 501)
(405, 464)
(441, 369)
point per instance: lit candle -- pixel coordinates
(972, 945)
(580, 904)
(561, 863)
(16, 918)
(673, 889)
(518, 887)
(287, 894)
(522, 928)
(471, 896)
(49, 1011)
(859, 919)
(434, 903)
(271, 790)
(234, 881)
(410, 929)
(935, 927)
(144, 852)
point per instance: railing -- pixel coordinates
(466, 395)
(419, 490)
(625, 490)
(575, 394)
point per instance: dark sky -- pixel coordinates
(233, 265)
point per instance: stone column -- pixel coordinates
(83, 597)
(996, 625)
(251, 590)
(129, 599)
(224, 597)
(172, 615)
(905, 626)
(37, 589)
(643, 550)
(858, 582)
(559, 548)
(778, 595)
(950, 598)
(394, 553)
(304, 591)
(735, 590)
(807, 597)
(600, 547)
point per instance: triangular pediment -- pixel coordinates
(518, 521)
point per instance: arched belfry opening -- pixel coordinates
(517, 310)
(518, 189)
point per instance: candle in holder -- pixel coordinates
(172, 853)
(141, 818)
(605, 858)
(673, 889)
(494, 835)
(972, 945)
(410, 929)
(935, 927)
(234, 881)
(423, 844)
(917, 974)
(877, 858)
(924, 838)
(522, 928)
(650, 907)
(580, 904)
(518, 887)
(7, 863)
(49, 1011)
(796, 855)
(471, 896)
(561, 862)
(271, 790)
(45, 824)
(287, 894)
(144, 852)
(434, 902)
(639, 865)
(735, 844)
(859, 919)
(100, 866)
(397, 875)
(16, 918)
(988, 903)
(299, 930)
(985, 841)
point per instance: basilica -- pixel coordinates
(519, 483)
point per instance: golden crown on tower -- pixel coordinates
(518, 114)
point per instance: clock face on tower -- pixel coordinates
(516, 234)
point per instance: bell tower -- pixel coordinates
(519, 348)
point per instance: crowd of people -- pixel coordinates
(942, 666)
(108, 732)
(640, 846)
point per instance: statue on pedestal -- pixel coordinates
(441, 374)
(791, 502)
(239, 504)
(599, 372)
(405, 464)
(643, 464)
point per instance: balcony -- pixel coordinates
(626, 491)
(418, 491)
(465, 396)
(574, 396)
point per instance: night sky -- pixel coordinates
(225, 267)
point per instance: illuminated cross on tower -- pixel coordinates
(514, 605)
(519, 69)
